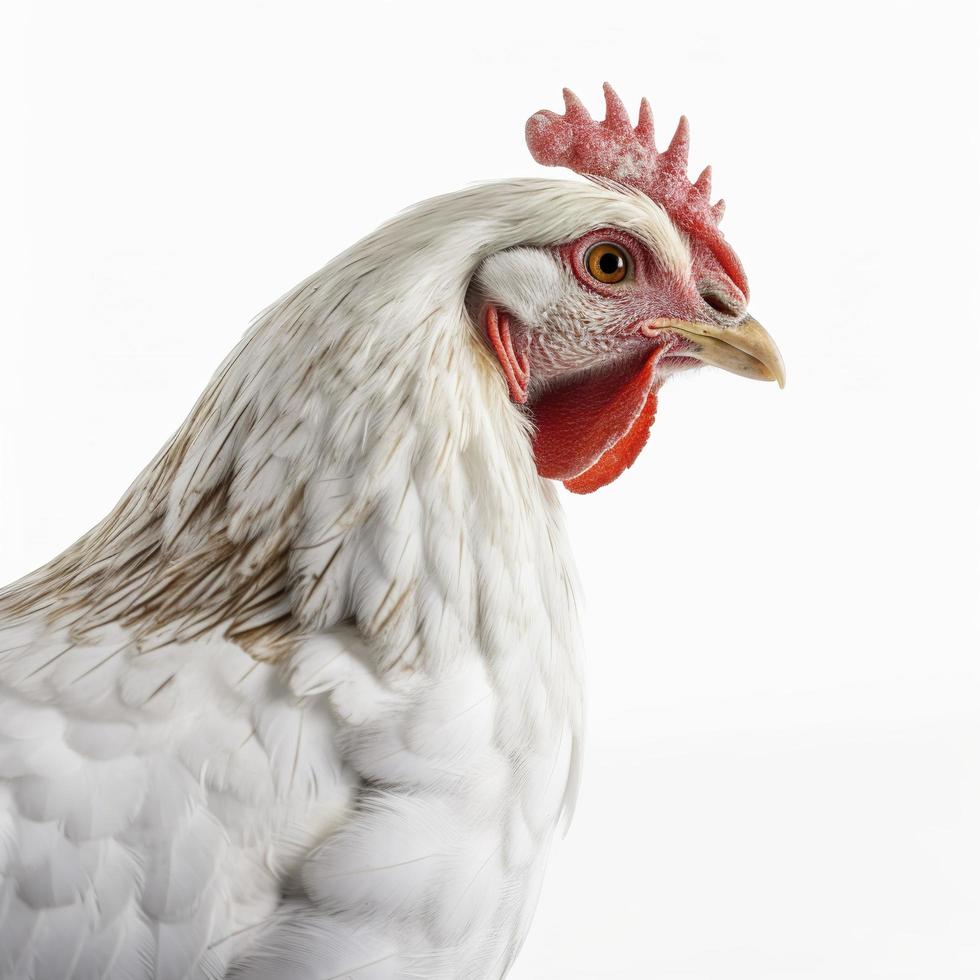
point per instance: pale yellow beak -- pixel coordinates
(745, 348)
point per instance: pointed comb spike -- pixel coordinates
(718, 209)
(644, 127)
(675, 156)
(702, 186)
(617, 118)
(575, 111)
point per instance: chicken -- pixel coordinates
(308, 702)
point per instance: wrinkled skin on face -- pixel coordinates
(586, 351)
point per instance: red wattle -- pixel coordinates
(592, 429)
(621, 456)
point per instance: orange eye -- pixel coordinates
(607, 262)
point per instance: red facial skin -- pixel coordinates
(651, 290)
(589, 430)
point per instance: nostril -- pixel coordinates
(720, 303)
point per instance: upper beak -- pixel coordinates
(745, 349)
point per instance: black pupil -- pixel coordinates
(610, 263)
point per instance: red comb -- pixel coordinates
(614, 149)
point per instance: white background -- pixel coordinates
(783, 768)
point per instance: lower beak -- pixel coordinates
(745, 349)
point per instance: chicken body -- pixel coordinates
(307, 703)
